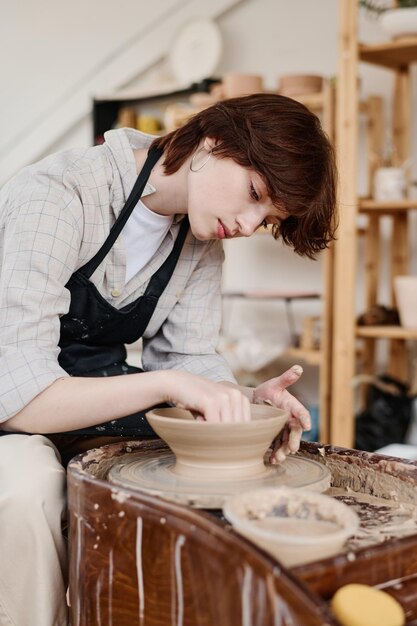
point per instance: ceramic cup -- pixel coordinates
(220, 451)
(405, 288)
(294, 525)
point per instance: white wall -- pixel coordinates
(52, 47)
(55, 57)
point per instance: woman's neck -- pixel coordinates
(170, 197)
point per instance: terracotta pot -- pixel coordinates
(299, 84)
(236, 85)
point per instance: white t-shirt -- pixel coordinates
(143, 233)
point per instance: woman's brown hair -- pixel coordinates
(284, 143)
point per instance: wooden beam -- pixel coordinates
(342, 406)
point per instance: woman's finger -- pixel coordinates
(294, 438)
(289, 377)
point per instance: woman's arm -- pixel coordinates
(72, 403)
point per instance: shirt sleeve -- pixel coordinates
(188, 339)
(40, 252)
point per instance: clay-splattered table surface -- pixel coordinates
(384, 553)
(383, 491)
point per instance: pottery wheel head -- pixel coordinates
(151, 471)
(218, 451)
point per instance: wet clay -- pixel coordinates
(381, 519)
(221, 451)
(151, 471)
(307, 528)
(381, 490)
(211, 461)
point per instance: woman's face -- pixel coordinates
(226, 200)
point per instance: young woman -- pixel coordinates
(106, 245)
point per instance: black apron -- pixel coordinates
(94, 333)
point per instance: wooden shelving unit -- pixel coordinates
(106, 108)
(396, 56)
(386, 332)
(367, 205)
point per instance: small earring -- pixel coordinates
(197, 169)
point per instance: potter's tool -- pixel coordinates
(151, 472)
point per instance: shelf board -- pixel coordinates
(386, 332)
(272, 295)
(390, 54)
(367, 205)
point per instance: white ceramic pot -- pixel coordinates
(406, 296)
(389, 184)
(399, 23)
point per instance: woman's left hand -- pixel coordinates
(274, 392)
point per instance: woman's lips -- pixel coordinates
(222, 231)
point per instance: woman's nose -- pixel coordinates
(248, 224)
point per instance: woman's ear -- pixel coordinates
(209, 143)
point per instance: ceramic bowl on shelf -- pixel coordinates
(218, 450)
(299, 84)
(295, 526)
(399, 23)
(236, 85)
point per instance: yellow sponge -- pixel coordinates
(361, 605)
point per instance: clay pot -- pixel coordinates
(217, 91)
(406, 297)
(220, 451)
(236, 85)
(294, 525)
(202, 100)
(299, 84)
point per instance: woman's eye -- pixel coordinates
(253, 192)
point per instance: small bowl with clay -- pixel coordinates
(293, 525)
(220, 451)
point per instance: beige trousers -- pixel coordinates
(33, 559)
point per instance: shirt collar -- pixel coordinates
(120, 143)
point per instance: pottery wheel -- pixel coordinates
(151, 472)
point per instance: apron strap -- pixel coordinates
(90, 267)
(160, 279)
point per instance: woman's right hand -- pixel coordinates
(73, 402)
(208, 400)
